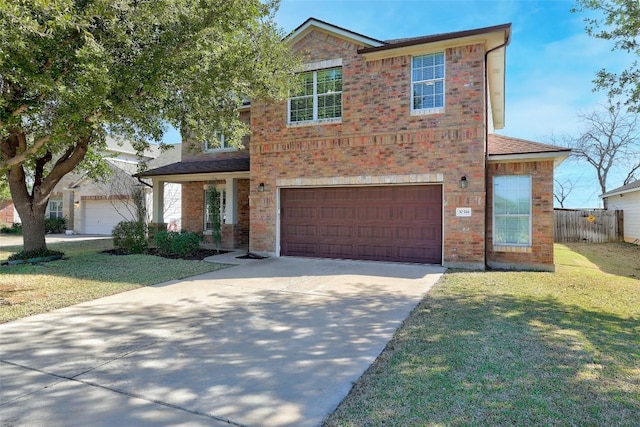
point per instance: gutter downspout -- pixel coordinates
(486, 141)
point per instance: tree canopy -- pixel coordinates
(73, 71)
(618, 21)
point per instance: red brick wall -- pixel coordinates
(540, 255)
(242, 228)
(378, 136)
(193, 206)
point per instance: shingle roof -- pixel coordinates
(411, 41)
(226, 164)
(504, 145)
(635, 185)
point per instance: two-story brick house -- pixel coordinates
(386, 152)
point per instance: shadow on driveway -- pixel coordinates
(273, 343)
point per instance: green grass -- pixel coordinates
(86, 274)
(514, 348)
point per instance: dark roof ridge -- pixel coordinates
(391, 44)
(334, 26)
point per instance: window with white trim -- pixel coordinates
(222, 199)
(55, 209)
(427, 82)
(512, 210)
(318, 98)
(219, 144)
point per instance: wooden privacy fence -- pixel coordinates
(591, 226)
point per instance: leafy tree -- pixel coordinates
(618, 21)
(609, 141)
(73, 71)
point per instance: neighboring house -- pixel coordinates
(626, 199)
(386, 152)
(8, 214)
(95, 207)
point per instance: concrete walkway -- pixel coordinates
(274, 342)
(16, 240)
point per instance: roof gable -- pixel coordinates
(313, 23)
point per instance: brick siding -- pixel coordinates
(379, 136)
(540, 255)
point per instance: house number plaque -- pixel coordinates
(463, 211)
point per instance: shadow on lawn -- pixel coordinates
(502, 360)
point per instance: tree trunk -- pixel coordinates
(33, 231)
(31, 208)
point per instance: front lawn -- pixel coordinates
(86, 274)
(509, 348)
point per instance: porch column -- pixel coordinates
(231, 208)
(158, 202)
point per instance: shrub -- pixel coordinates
(40, 253)
(130, 236)
(16, 228)
(55, 225)
(174, 243)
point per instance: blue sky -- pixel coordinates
(551, 62)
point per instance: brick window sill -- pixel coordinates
(513, 249)
(315, 123)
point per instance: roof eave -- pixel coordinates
(618, 193)
(557, 156)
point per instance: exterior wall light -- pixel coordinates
(463, 182)
(261, 187)
(76, 203)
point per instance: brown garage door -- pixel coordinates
(387, 223)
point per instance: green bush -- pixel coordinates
(174, 243)
(130, 236)
(55, 225)
(40, 253)
(16, 228)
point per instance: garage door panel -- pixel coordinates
(417, 254)
(302, 230)
(375, 232)
(374, 252)
(334, 250)
(336, 231)
(375, 194)
(338, 213)
(386, 223)
(334, 194)
(301, 213)
(101, 216)
(417, 233)
(376, 213)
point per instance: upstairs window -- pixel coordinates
(318, 97)
(512, 210)
(427, 83)
(218, 145)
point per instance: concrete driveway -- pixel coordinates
(274, 342)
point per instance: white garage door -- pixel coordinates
(100, 216)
